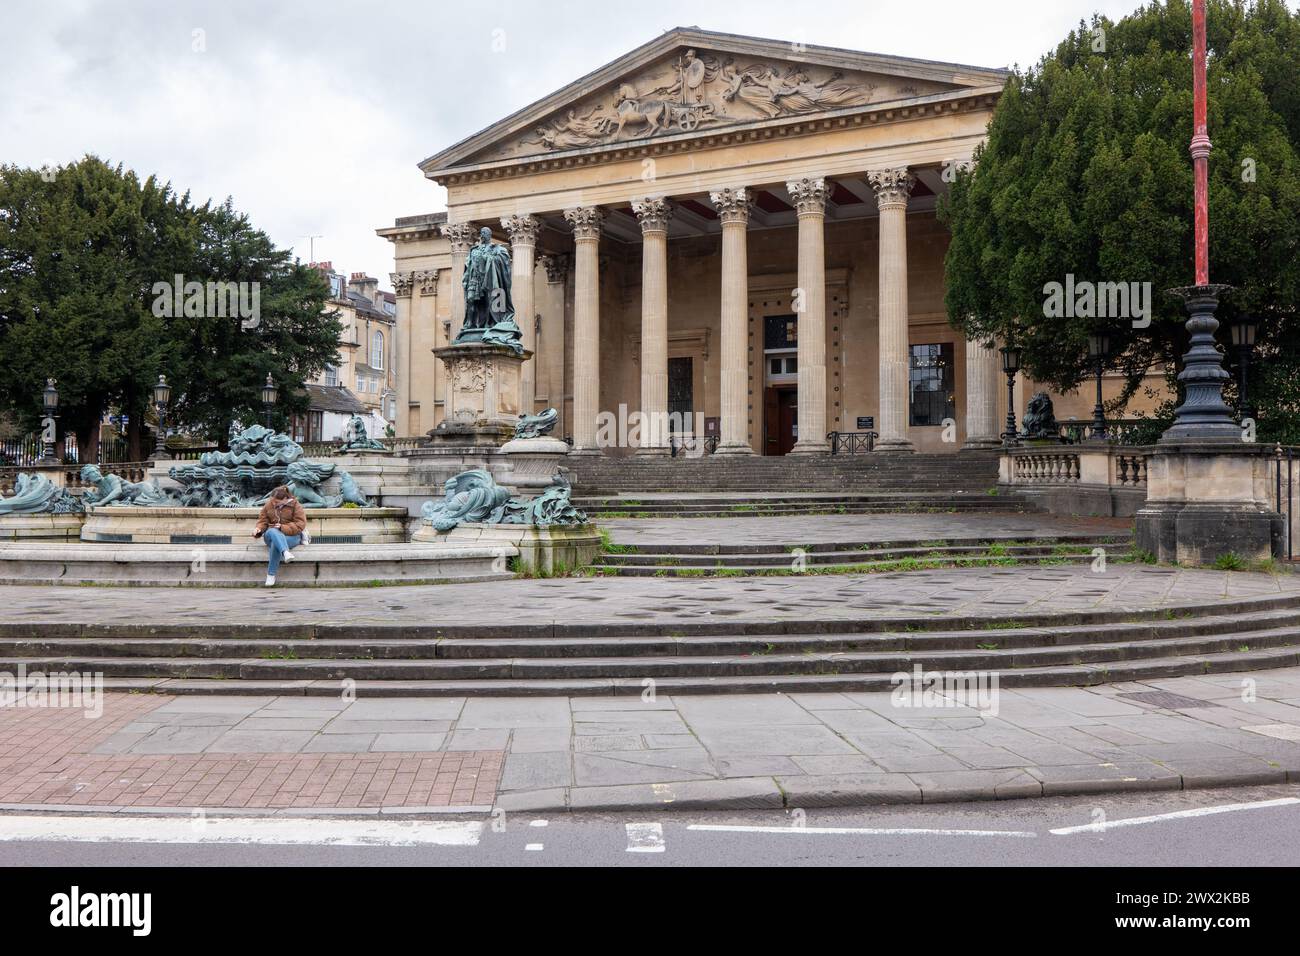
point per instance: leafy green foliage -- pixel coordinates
(1086, 171)
(81, 249)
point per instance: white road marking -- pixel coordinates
(533, 846)
(862, 831)
(538, 823)
(1176, 815)
(283, 831)
(645, 838)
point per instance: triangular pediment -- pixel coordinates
(690, 81)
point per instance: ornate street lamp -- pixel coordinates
(1010, 365)
(162, 396)
(270, 394)
(1099, 351)
(50, 404)
(1243, 333)
(1202, 414)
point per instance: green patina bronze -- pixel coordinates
(489, 311)
(116, 490)
(358, 439)
(535, 426)
(473, 497)
(36, 494)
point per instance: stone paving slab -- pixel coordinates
(524, 606)
(741, 751)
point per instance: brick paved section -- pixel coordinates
(55, 756)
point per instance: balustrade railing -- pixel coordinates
(1039, 467)
(692, 446)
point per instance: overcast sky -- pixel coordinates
(314, 115)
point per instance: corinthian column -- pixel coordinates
(983, 379)
(809, 197)
(893, 186)
(733, 209)
(461, 237)
(586, 325)
(653, 215)
(523, 246)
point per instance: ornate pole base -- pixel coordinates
(1202, 415)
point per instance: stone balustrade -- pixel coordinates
(68, 475)
(1108, 480)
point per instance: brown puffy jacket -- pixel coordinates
(286, 512)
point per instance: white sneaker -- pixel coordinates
(270, 580)
(306, 538)
(288, 556)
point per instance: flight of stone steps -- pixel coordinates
(688, 657)
(839, 474)
(734, 560)
(738, 505)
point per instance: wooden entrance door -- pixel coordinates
(780, 419)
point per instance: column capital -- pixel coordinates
(892, 186)
(402, 282)
(653, 213)
(809, 196)
(732, 203)
(428, 279)
(460, 235)
(585, 220)
(557, 268)
(521, 229)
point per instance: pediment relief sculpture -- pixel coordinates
(698, 89)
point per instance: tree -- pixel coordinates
(93, 263)
(1086, 172)
(222, 362)
(78, 248)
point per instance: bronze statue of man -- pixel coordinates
(489, 311)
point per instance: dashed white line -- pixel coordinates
(861, 831)
(645, 838)
(533, 846)
(1175, 815)
(284, 831)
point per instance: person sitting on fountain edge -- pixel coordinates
(283, 524)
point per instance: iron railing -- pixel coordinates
(1284, 481)
(852, 443)
(689, 445)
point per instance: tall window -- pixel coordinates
(930, 384)
(377, 350)
(331, 375)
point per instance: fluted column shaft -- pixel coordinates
(586, 325)
(809, 197)
(523, 248)
(733, 209)
(461, 237)
(983, 379)
(893, 186)
(654, 215)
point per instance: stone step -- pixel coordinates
(904, 642)
(631, 563)
(1066, 675)
(708, 549)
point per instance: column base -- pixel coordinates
(734, 450)
(810, 448)
(895, 446)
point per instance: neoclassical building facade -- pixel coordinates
(739, 232)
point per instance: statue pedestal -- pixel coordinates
(484, 399)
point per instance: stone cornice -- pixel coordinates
(848, 118)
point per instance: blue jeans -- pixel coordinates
(278, 543)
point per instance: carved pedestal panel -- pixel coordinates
(483, 400)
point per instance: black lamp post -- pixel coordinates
(1099, 351)
(1010, 365)
(1243, 333)
(50, 403)
(270, 394)
(162, 396)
